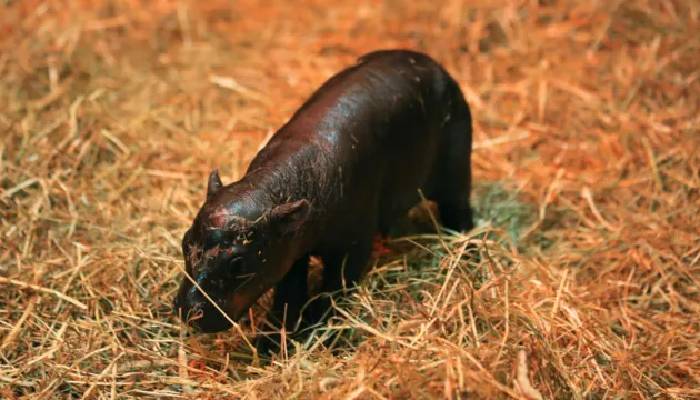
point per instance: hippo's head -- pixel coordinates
(236, 249)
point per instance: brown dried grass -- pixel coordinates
(587, 113)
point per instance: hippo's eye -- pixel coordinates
(245, 237)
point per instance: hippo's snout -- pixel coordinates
(199, 312)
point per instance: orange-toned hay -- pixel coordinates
(113, 112)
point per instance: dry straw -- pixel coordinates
(587, 166)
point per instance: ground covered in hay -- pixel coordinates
(587, 171)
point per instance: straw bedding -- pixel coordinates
(587, 192)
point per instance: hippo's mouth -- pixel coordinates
(209, 318)
(210, 314)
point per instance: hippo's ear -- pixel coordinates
(289, 217)
(214, 183)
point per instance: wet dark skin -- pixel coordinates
(346, 166)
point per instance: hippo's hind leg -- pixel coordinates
(451, 178)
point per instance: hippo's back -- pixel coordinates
(367, 139)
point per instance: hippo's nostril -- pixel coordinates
(195, 313)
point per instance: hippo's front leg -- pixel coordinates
(291, 293)
(342, 268)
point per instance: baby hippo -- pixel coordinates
(349, 163)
